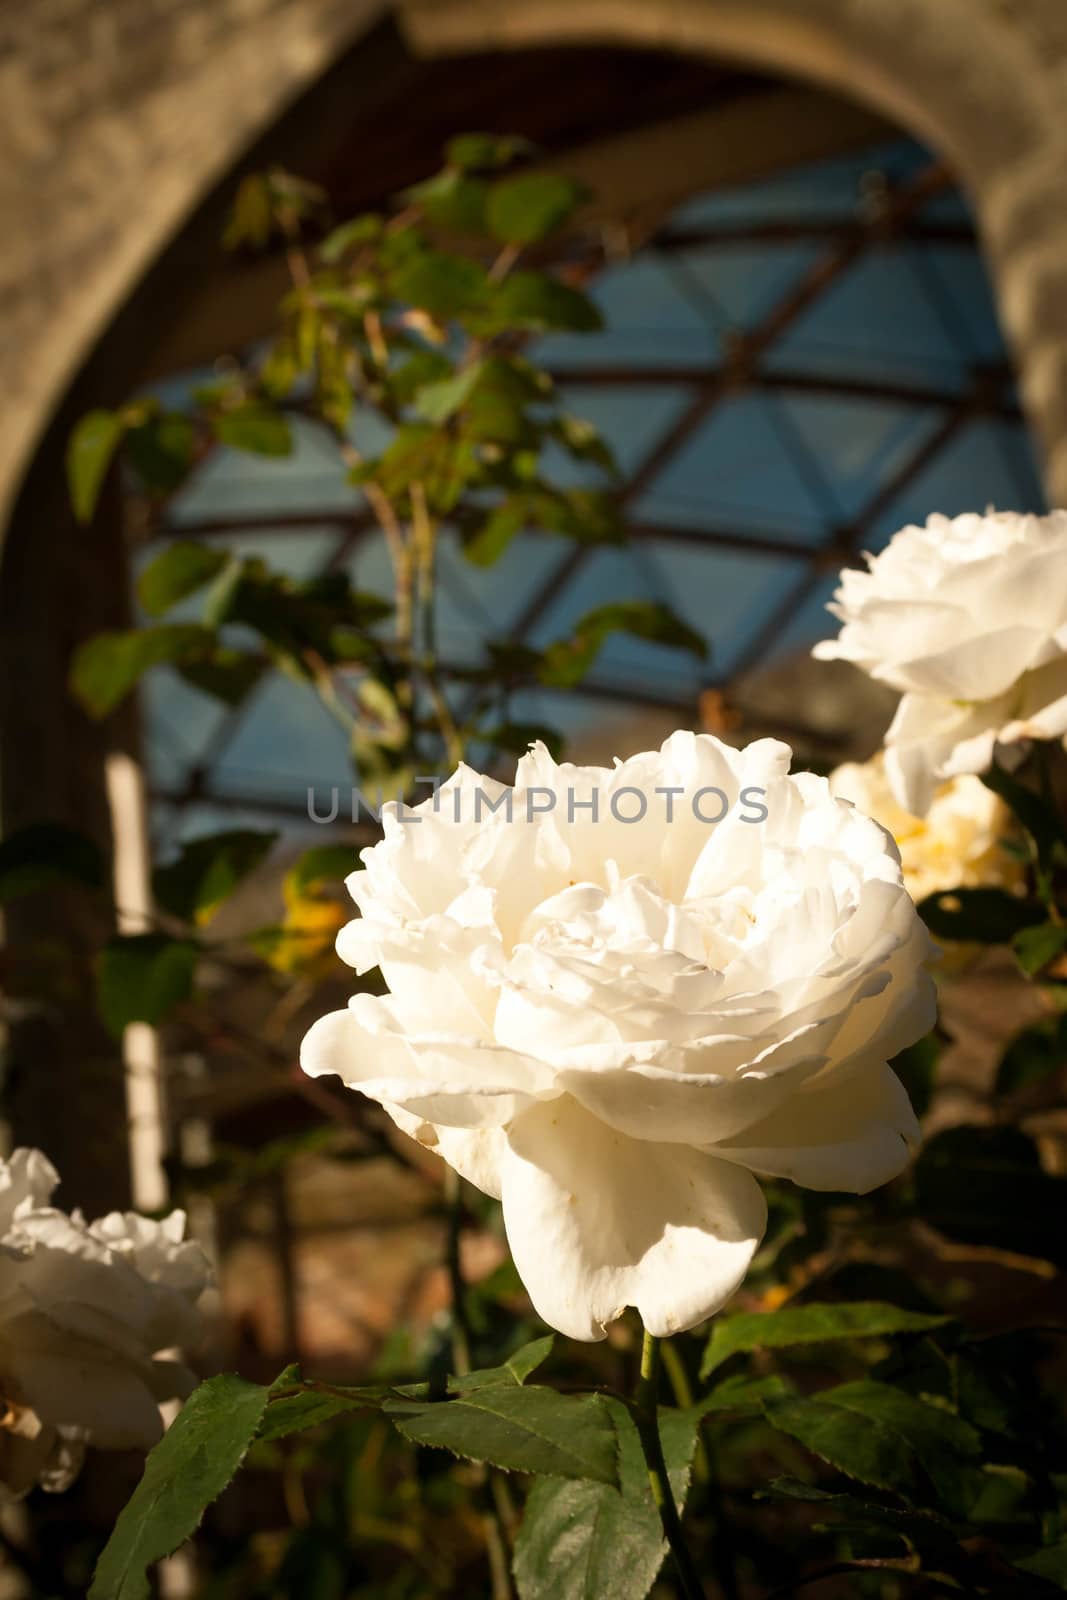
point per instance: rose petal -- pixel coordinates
(852, 1134)
(598, 1222)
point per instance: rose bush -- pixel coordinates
(611, 1025)
(959, 844)
(967, 616)
(84, 1309)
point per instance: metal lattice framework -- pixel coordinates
(891, 216)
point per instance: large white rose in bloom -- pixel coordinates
(968, 617)
(84, 1308)
(611, 1025)
(959, 844)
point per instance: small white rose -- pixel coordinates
(84, 1311)
(610, 1025)
(959, 844)
(968, 618)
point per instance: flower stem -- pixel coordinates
(494, 1492)
(645, 1415)
(461, 1343)
(678, 1378)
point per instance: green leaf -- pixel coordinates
(292, 617)
(419, 453)
(881, 1436)
(516, 1369)
(583, 441)
(187, 1470)
(181, 569)
(90, 451)
(568, 660)
(445, 286)
(1036, 947)
(924, 1531)
(436, 402)
(1050, 1564)
(309, 1409)
(220, 598)
(580, 1540)
(47, 853)
(537, 303)
(916, 1067)
(981, 916)
(207, 871)
(527, 208)
(518, 1429)
(451, 200)
(815, 1323)
(1038, 818)
(1034, 1055)
(586, 515)
(326, 863)
(308, 1404)
(360, 230)
(161, 450)
(741, 1395)
(254, 428)
(485, 151)
(228, 675)
(421, 368)
(108, 665)
(494, 536)
(142, 977)
(985, 1186)
(251, 220)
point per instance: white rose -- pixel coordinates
(959, 844)
(607, 1024)
(968, 617)
(84, 1309)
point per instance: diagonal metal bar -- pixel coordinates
(746, 350)
(847, 542)
(745, 541)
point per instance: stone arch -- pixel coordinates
(115, 120)
(981, 80)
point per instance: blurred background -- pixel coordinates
(825, 244)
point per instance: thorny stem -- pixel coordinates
(645, 1415)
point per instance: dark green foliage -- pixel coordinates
(207, 871)
(143, 976)
(185, 1472)
(45, 854)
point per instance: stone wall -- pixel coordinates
(115, 117)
